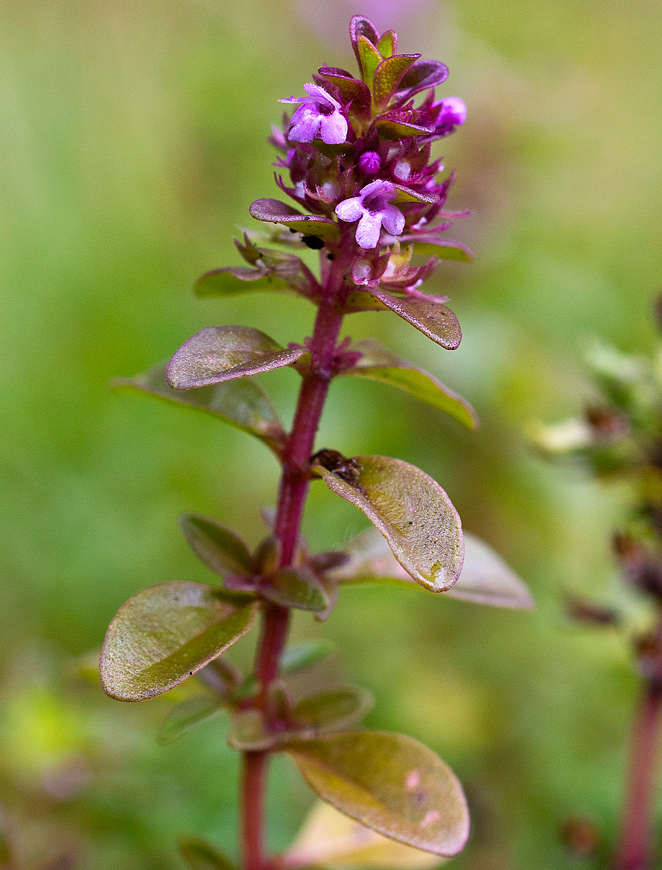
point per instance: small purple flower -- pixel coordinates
(370, 162)
(319, 115)
(372, 209)
(452, 113)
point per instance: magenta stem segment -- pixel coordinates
(294, 484)
(634, 850)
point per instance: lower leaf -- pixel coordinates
(390, 783)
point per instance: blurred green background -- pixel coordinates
(132, 140)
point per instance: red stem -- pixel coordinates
(292, 494)
(253, 771)
(634, 850)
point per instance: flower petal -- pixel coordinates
(305, 125)
(350, 209)
(393, 219)
(369, 229)
(318, 94)
(333, 128)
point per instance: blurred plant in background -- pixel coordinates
(126, 153)
(620, 437)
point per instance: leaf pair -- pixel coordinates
(312, 717)
(227, 555)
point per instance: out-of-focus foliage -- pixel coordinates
(132, 140)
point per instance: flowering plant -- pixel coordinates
(356, 157)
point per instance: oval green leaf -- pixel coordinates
(331, 839)
(165, 633)
(236, 280)
(248, 732)
(295, 587)
(198, 854)
(393, 128)
(333, 710)
(370, 59)
(186, 715)
(221, 353)
(377, 363)
(421, 75)
(429, 317)
(485, 577)
(299, 656)
(241, 403)
(388, 75)
(390, 783)
(441, 248)
(220, 549)
(411, 511)
(275, 211)
(312, 717)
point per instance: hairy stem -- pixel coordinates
(292, 494)
(634, 849)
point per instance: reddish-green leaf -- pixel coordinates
(234, 280)
(351, 90)
(429, 317)
(186, 715)
(165, 633)
(330, 839)
(311, 718)
(369, 59)
(333, 710)
(388, 43)
(200, 855)
(392, 128)
(441, 248)
(388, 75)
(411, 511)
(390, 783)
(406, 194)
(360, 26)
(222, 353)
(421, 75)
(485, 577)
(248, 732)
(363, 300)
(242, 403)
(275, 211)
(220, 549)
(378, 364)
(295, 587)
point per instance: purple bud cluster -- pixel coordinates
(357, 150)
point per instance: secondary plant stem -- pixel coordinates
(293, 490)
(634, 851)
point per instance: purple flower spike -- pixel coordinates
(372, 209)
(319, 115)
